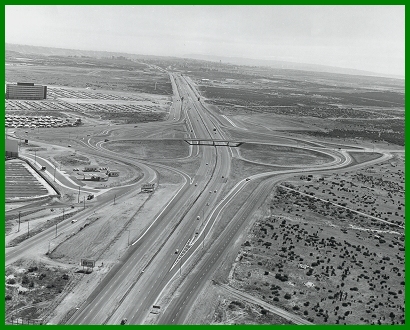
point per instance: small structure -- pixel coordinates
(90, 168)
(113, 173)
(148, 187)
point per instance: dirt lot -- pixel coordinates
(32, 287)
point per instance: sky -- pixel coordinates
(369, 38)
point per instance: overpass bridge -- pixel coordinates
(213, 143)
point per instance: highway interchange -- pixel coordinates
(145, 272)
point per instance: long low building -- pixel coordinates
(26, 91)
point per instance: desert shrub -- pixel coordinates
(287, 296)
(32, 269)
(25, 280)
(11, 281)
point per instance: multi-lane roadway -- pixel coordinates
(137, 282)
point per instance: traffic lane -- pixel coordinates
(186, 228)
(94, 318)
(156, 285)
(146, 244)
(178, 308)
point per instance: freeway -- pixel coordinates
(133, 287)
(119, 284)
(143, 274)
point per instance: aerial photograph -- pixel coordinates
(204, 165)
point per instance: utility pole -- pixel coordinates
(78, 201)
(28, 228)
(54, 173)
(63, 214)
(35, 157)
(84, 202)
(56, 229)
(19, 222)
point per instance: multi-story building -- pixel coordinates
(26, 91)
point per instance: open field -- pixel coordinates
(282, 156)
(109, 73)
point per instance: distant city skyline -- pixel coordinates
(369, 38)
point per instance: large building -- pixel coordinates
(26, 91)
(12, 148)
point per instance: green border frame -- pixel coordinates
(203, 2)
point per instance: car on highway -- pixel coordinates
(176, 251)
(215, 191)
(69, 145)
(124, 321)
(74, 221)
(206, 163)
(198, 217)
(247, 179)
